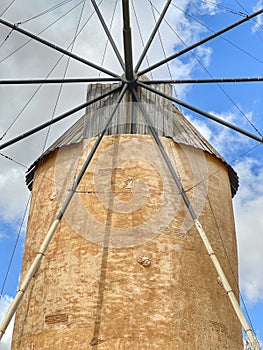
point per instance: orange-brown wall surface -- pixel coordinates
(126, 268)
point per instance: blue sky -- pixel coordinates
(238, 54)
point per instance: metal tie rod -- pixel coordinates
(57, 81)
(57, 119)
(104, 25)
(57, 48)
(202, 81)
(191, 47)
(155, 30)
(205, 114)
(33, 268)
(199, 228)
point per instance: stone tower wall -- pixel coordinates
(126, 268)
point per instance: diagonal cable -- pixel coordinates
(224, 8)
(50, 9)
(107, 41)
(150, 40)
(65, 73)
(140, 34)
(12, 160)
(52, 229)
(219, 86)
(56, 47)
(15, 247)
(105, 27)
(205, 26)
(243, 8)
(6, 38)
(57, 119)
(223, 38)
(203, 113)
(42, 31)
(227, 95)
(11, 3)
(193, 46)
(52, 69)
(163, 49)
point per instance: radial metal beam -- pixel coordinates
(164, 155)
(57, 119)
(201, 81)
(205, 114)
(191, 47)
(127, 41)
(155, 29)
(104, 25)
(56, 48)
(133, 115)
(57, 81)
(227, 287)
(34, 266)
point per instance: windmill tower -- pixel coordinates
(126, 267)
(126, 263)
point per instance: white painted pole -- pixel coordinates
(227, 286)
(28, 277)
(202, 234)
(52, 229)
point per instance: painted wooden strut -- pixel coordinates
(200, 230)
(53, 227)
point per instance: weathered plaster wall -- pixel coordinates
(98, 287)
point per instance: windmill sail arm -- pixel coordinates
(204, 81)
(33, 268)
(104, 25)
(202, 234)
(155, 30)
(55, 120)
(56, 81)
(203, 113)
(55, 47)
(203, 41)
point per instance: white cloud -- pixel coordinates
(247, 345)
(13, 194)
(210, 7)
(248, 204)
(249, 223)
(3, 235)
(204, 54)
(259, 20)
(35, 60)
(5, 343)
(218, 134)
